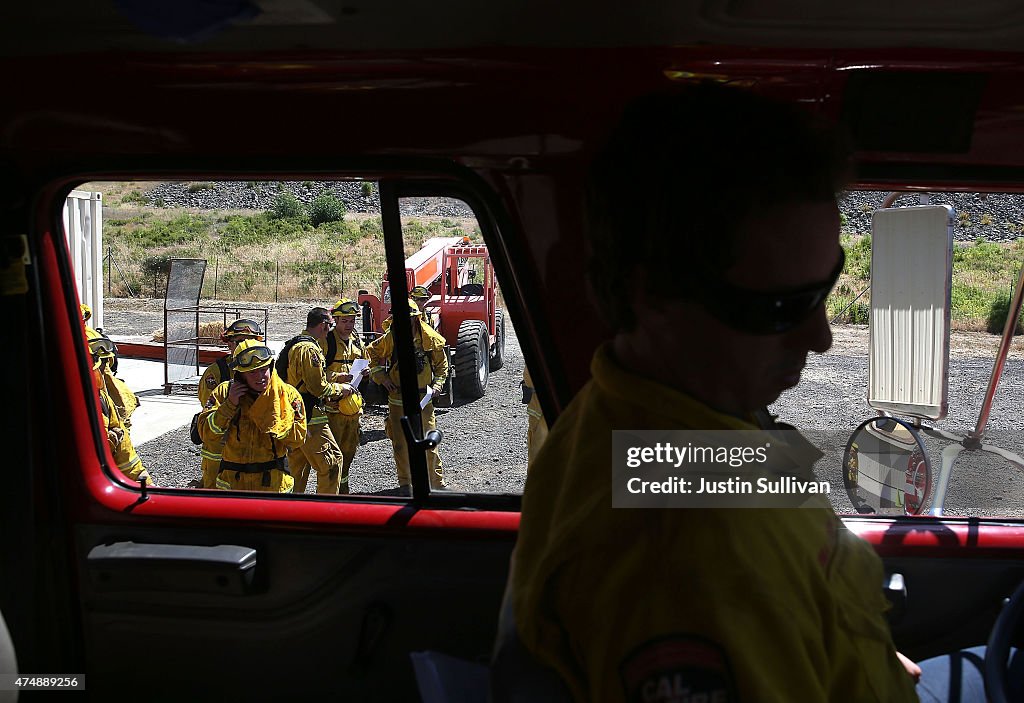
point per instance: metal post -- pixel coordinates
(277, 278)
(110, 256)
(216, 275)
(343, 275)
(1004, 349)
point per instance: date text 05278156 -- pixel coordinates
(42, 682)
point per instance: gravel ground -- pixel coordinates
(485, 440)
(831, 401)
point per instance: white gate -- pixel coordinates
(83, 229)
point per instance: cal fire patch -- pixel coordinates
(677, 669)
(211, 382)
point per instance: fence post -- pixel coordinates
(110, 256)
(343, 275)
(216, 274)
(277, 278)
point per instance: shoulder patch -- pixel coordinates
(677, 668)
(211, 382)
(298, 408)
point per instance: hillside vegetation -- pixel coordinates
(983, 276)
(316, 250)
(292, 251)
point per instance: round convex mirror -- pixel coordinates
(886, 468)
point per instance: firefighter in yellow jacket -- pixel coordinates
(216, 374)
(341, 348)
(258, 419)
(121, 448)
(307, 371)
(432, 371)
(120, 394)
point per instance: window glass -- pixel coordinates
(831, 400)
(175, 271)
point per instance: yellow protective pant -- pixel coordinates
(393, 428)
(345, 429)
(321, 452)
(210, 464)
(280, 482)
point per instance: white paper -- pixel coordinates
(426, 397)
(357, 371)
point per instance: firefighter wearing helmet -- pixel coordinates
(257, 419)
(101, 348)
(307, 371)
(420, 295)
(432, 371)
(215, 374)
(341, 348)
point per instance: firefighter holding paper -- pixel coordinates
(342, 348)
(432, 371)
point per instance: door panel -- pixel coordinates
(335, 615)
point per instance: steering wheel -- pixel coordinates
(997, 654)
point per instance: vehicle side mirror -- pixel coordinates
(886, 468)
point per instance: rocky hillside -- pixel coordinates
(996, 217)
(357, 196)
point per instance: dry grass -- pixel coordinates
(208, 331)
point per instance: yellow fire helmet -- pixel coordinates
(243, 329)
(251, 354)
(419, 293)
(86, 312)
(351, 404)
(345, 308)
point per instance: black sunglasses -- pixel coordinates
(767, 312)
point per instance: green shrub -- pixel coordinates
(156, 264)
(997, 313)
(182, 229)
(286, 205)
(366, 188)
(196, 187)
(970, 303)
(261, 228)
(339, 232)
(371, 228)
(982, 256)
(133, 196)
(858, 256)
(325, 208)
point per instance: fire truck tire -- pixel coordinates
(471, 367)
(498, 353)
